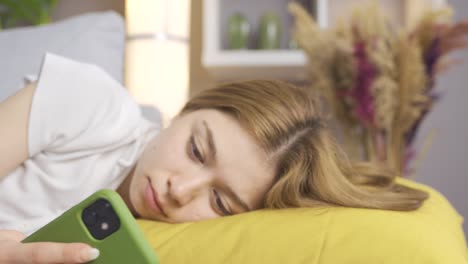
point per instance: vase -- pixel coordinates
(270, 31)
(239, 31)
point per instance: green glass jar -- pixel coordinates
(270, 31)
(239, 31)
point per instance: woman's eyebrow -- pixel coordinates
(212, 159)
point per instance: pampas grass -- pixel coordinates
(378, 80)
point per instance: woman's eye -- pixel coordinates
(194, 150)
(220, 204)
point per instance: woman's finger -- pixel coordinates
(47, 252)
(11, 235)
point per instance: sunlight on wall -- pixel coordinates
(157, 53)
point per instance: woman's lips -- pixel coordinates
(152, 199)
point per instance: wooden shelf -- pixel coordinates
(258, 64)
(224, 64)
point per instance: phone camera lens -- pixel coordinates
(90, 217)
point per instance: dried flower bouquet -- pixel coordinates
(378, 80)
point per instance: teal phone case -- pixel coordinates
(126, 245)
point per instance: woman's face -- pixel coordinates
(204, 165)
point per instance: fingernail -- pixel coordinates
(90, 254)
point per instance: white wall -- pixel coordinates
(445, 166)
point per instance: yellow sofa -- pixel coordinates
(432, 234)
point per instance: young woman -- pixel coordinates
(236, 148)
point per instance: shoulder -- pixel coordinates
(63, 78)
(75, 100)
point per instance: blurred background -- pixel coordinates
(197, 44)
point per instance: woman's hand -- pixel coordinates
(13, 251)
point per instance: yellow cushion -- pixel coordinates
(432, 234)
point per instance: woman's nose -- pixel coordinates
(183, 189)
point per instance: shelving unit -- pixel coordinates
(225, 64)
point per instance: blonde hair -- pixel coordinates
(312, 170)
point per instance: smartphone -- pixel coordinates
(102, 221)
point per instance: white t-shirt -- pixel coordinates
(85, 134)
